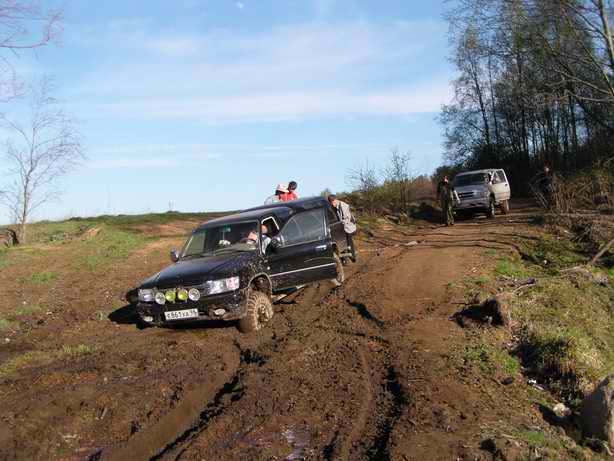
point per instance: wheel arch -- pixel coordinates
(261, 282)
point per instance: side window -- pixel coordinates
(304, 227)
(502, 176)
(497, 177)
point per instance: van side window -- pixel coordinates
(498, 177)
(305, 227)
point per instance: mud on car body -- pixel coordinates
(229, 270)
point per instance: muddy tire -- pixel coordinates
(505, 206)
(338, 281)
(259, 311)
(491, 209)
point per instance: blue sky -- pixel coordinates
(206, 105)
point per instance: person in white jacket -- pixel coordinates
(349, 223)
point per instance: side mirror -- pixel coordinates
(174, 255)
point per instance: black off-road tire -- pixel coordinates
(338, 281)
(258, 312)
(491, 209)
(505, 207)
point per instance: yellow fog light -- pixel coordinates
(182, 294)
(170, 296)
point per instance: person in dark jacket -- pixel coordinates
(447, 196)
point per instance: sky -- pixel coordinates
(206, 105)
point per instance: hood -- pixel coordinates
(472, 189)
(196, 271)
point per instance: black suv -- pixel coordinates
(234, 268)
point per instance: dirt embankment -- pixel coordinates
(366, 371)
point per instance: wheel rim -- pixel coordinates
(264, 314)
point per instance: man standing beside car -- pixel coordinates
(447, 196)
(349, 223)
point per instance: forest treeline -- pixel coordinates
(535, 85)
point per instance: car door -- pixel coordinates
(335, 226)
(304, 252)
(501, 186)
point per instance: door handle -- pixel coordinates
(321, 247)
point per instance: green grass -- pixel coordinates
(510, 268)
(41, 358)
(107, 247)
(6, 324)
(40, 277)
(490, 359)
(25, 310)
(55, 232)
(534, 438)
(565, 322)
(80, 349)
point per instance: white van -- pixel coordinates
(482, 191)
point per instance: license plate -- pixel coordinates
(183, 314)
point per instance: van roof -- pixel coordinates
(486, 170)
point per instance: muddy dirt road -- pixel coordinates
(364, 371)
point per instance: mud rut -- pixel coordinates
(322, 346)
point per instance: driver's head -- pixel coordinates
(332, 199)
(264, 229)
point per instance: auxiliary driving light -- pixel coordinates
(170, 296)
(194, 294)
(160, 298)
(182, 294)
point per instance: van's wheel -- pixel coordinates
(505, 206)
(259, 311)
(340, 278)
(491, 208)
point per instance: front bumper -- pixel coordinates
(481, 203)
(233, 304)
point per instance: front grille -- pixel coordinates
(463, 195)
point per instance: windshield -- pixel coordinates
(225, 238)
(470, 179)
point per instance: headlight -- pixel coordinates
(146, 296)
(213, 287)
(194, 294)
(160, 298)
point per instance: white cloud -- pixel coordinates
(240, 5)
(289, 72)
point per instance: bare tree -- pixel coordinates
(398, 176)
(364, 179)
(38, 153)
(24, 25)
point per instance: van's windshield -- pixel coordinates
(225, 238)
(470, 179)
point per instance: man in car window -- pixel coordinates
(264, 243)
(349, 223)
(252, 237)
